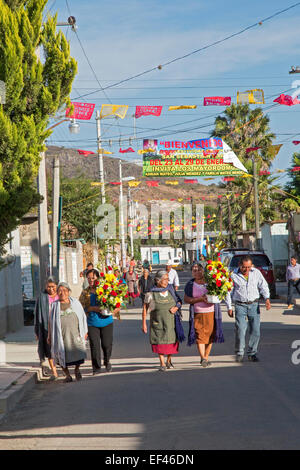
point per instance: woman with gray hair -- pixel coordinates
(166, 331)
(41, 326)
(68, 332)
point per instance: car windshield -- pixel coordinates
(259, 261)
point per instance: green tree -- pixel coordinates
(242, 128)
(80, 202)
(35, 90)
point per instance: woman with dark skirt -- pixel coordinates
(100, 327)
(41, 326)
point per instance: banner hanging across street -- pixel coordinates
(202, 157)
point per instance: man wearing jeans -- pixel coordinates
(249, 285)
(293, 280)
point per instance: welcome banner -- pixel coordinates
(202, 157)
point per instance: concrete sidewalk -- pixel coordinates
(19, 367)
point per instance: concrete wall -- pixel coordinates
(30, 256)
(70, 266)
(11, 302)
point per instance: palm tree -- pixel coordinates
(242, 128)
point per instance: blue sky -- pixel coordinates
(125, 38)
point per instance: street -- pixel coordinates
(226, 406)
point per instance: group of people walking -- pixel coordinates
(63, 323)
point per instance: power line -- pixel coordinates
(197, 50)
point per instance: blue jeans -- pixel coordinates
(291, 285)
(242, 313)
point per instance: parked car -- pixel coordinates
(231, 258)
(28, 311)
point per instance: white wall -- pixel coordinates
(11, 302)
(166, 253)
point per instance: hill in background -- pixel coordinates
(73, 164)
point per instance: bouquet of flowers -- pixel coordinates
(217, 276)
(111, 292)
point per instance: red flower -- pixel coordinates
(218, 254)
(120, 282)
(102, 274)
(105, 287)
(109, 268)
(219, 283)
(126, 296)
(118, 305)
(209, 261)
(209, 267)
(114, 293)
(214, 276)
(97, 283)
(103, 300)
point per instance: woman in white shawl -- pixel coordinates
(67, 332)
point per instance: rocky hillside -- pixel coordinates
(73, 164)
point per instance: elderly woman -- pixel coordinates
(145, 284)
(41, 325)
(100, 327)
(203, 324)
(162, 303)
(68, 332)
(131, 279)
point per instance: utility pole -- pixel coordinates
(100, 157)
(131, 221)
(123, 247)
(256, 204)
(229, 220)
(55, 211)
(43, 224)
(221, 217)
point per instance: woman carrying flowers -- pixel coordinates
(202, 321)
(100, 326)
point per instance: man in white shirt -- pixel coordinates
(173, 276)
(249, 286)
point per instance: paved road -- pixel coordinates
(227, 406)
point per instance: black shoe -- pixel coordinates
(238, 358)
(108, 367)
(96, 371)
(253, 358)
(169, 365)
(205, 363)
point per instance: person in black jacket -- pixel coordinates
(145, 284)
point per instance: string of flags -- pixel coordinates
(84, 111)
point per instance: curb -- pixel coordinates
(10, 397)
(296, 302)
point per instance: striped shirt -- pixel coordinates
(247, 290)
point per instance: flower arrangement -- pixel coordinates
(111, 292)
(217, 276)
